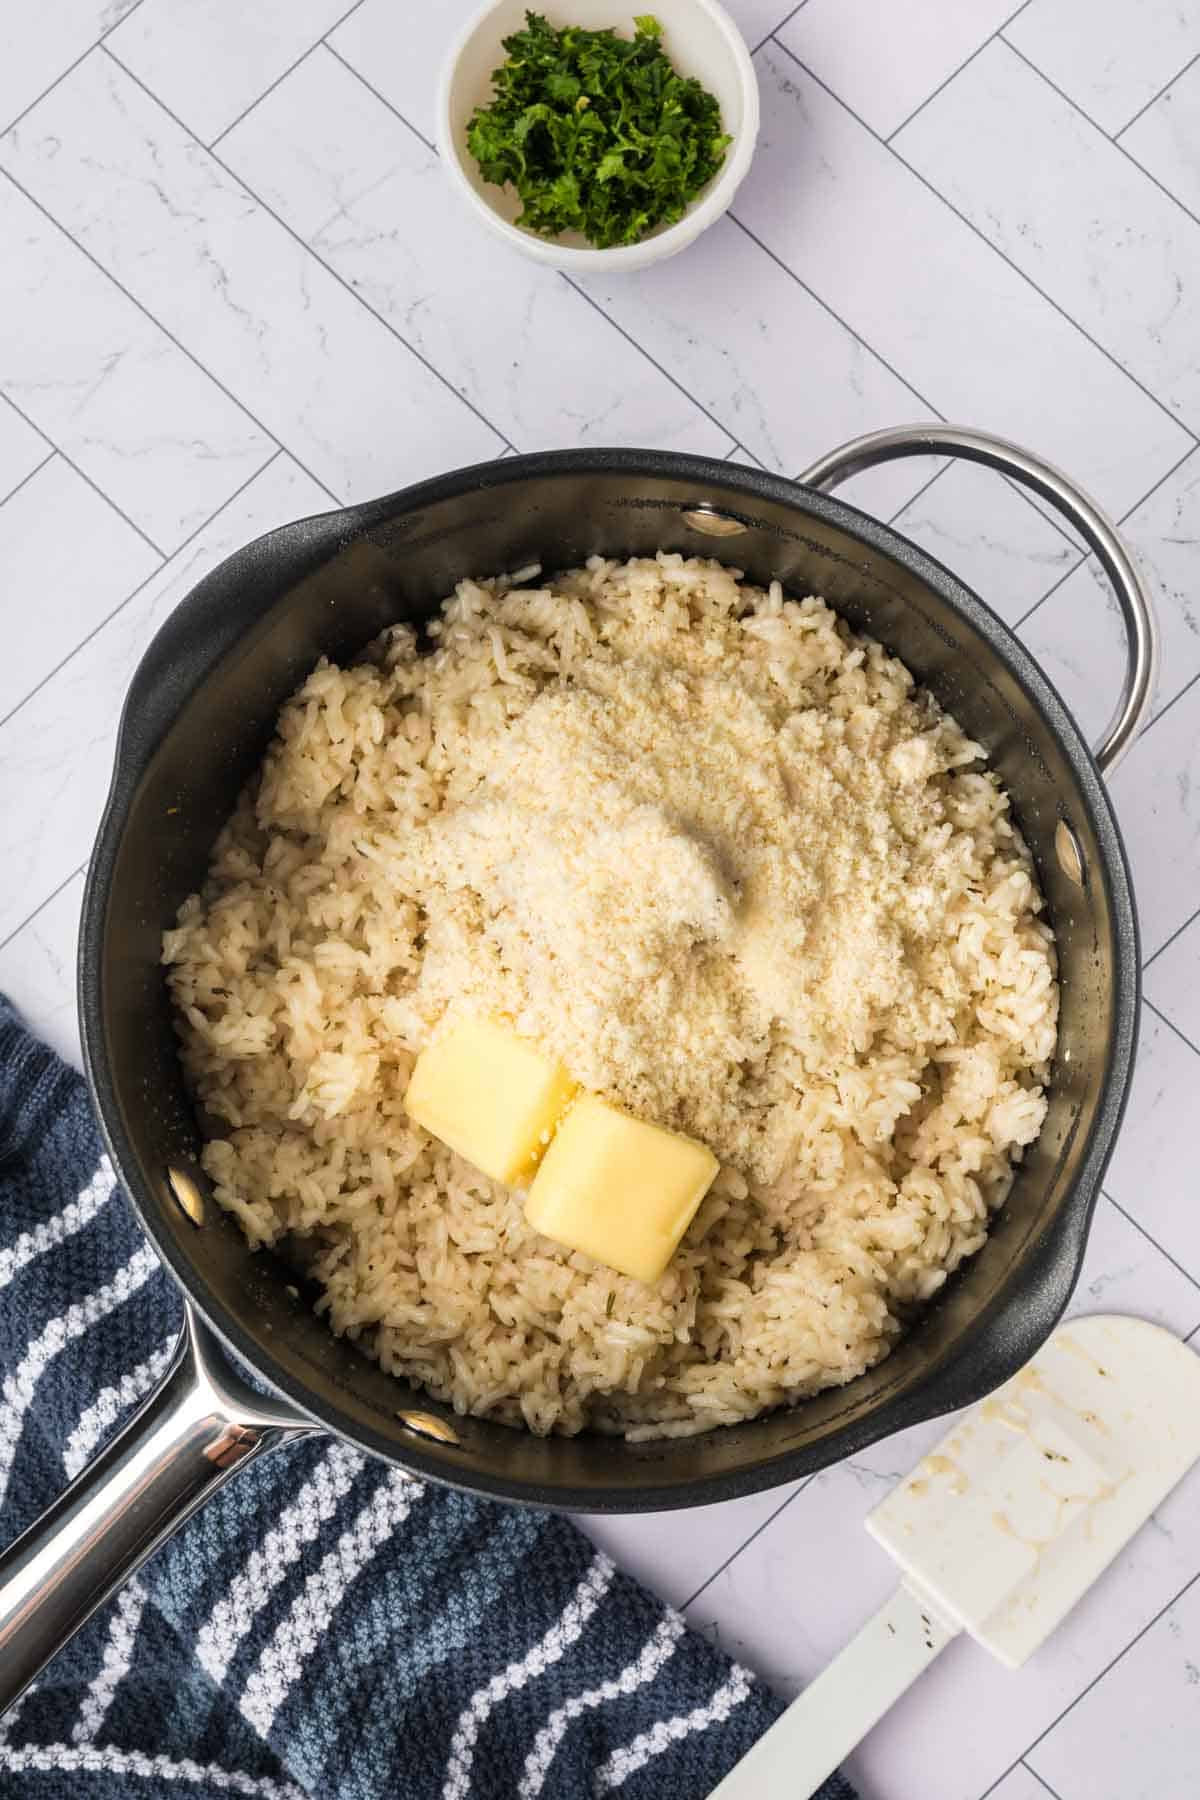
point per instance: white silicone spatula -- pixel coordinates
(1000, 1531)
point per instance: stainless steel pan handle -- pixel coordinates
(200, 1425)
(1092, 524)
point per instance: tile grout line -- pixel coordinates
(36, 470)
(372, 89)
(36, 429)
(1051, 517)
(297, 239)
(825, 307)
(1139, 1227)
(654, 363)
(921, 491)
(1055, 585)
(1096, 1679)
(1040, 1779)
(757, 1532)
(1045, 513)
(1171, 1026)
(799, 7)
(1179, 74)
(95, 486)
(145, 582)
(1164, 710)
(290, 70)
(735, 442)
(741, 450)
(169, 335)
(69, 70)
(954, 74)
(996, 251)
(1125, 516)
(1030, 499)
(43, 904)
(1177, 933)
(1115, 142)
(1024, 7)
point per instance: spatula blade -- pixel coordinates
(1010, 1520)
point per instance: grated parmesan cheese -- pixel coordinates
(695, 891)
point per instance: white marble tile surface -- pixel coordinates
(725, 322)
(1153, 1173)
(38, 43)
(1157, 794)
(991, 536)
(37, 969)
(288, 340)
(1072, 211)
(886, 60)
(201, 345)
(370, 200)
(105, 383)
(945, 309)
(1125, 1271)
(1173, 980)
(1111, 59)
(203, 72)
(1077, 631)
(677, 1563)
(758, 18)
(1136, 1735)
(398, 50)
(1021, 1784)
(22, 449)
(56, 750)
(69, 560)
(1165, 138)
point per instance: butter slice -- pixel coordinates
(618, 1189)
(491, 1096)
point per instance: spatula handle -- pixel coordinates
(836, 1711)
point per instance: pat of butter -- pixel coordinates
(489, 1095)
(620, 1190)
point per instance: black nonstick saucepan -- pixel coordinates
(198, 718)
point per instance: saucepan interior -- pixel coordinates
(199, 716)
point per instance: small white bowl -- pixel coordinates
(701, 40)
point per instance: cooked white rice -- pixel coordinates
(867, 1127)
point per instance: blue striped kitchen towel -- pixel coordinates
(323, 1627)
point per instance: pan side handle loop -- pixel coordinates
(199, 1426)
(1071, 502)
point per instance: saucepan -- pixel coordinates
(197, 720)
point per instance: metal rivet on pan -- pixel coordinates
(188, 1196)
(713, 523)
(1070, 856)
(427, 1425)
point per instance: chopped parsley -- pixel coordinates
(597, 133)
